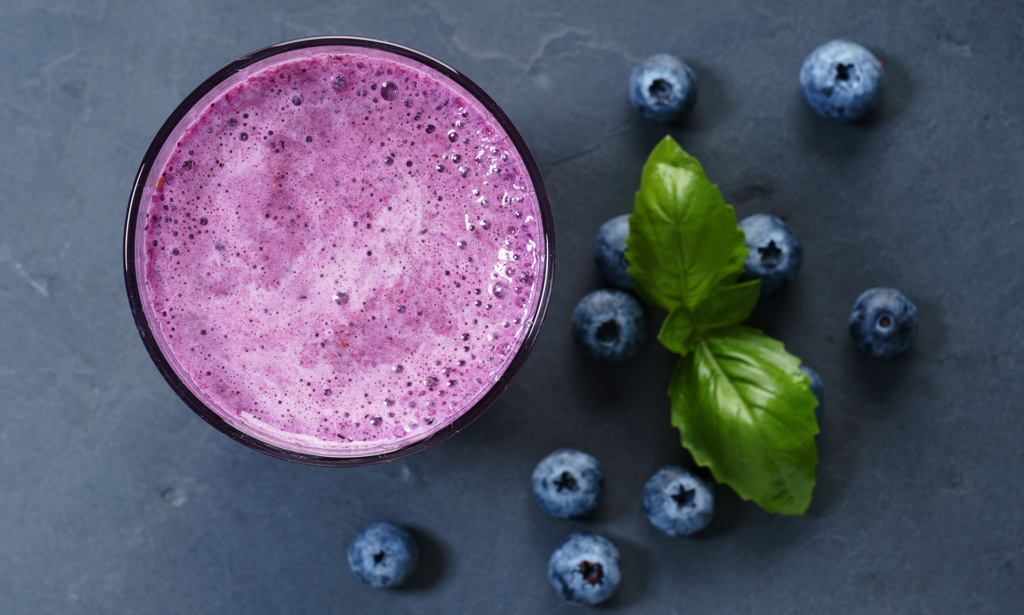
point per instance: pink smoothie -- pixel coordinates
(343, 252)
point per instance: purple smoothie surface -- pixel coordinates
(343, 253)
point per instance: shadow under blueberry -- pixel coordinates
(834, 142)
(712, 106)
(776, 312)
(643, 136)
(932, 330)
(847, 421)
(897, 94)
(711, 109)
(730, 509)
(610, 388)
(433, 561)
(751, 192)
(637, 567)
(830, 141)
(875, 380)
(839, 446)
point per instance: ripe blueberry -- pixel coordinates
(568, 483)
(842, 80)
(775, 253)
(584, 569)
(609, 326)
(610, 252)
(818, 388)
(383, 555)
(663, 88)
(883, 322)
(678, 502)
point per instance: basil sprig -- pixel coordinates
(742, 406)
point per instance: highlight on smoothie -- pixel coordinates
(342, 252)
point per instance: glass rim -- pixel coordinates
(146, 331)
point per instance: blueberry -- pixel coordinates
(663, 88)
(383, 555)
(610, 252)
(842, 80)
(568, 484)
(609, 326)
(584, 569)
(678, 502)
(883, 322)
(775, 252)
(817, 387)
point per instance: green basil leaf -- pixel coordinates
(724, 307)
(727, 305)
(742, 406)
(677, 331)
(745, 410)
(683, 241)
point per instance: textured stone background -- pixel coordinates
(115, 498)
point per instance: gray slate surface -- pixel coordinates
(115, 498)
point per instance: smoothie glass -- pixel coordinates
(148, 181)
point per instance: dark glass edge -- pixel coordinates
(164, 366)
